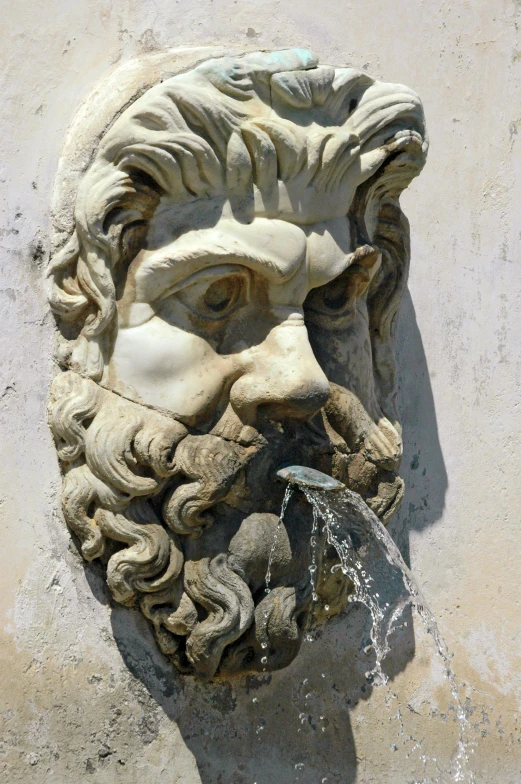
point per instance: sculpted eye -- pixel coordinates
(337, 299)
(215, 294)
(339, 294)
(222, 294)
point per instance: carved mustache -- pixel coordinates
(213, 464)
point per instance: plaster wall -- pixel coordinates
(85, 694)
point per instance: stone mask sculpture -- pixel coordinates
(226, 306)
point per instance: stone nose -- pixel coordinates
(282, 378)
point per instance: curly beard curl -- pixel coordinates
(139, 491)
(117, 457)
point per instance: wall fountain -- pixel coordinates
(226, 303)
(226, 296)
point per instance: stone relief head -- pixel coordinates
(226, 306)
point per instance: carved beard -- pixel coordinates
(185, 523)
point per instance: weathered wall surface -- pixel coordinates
(85, 694)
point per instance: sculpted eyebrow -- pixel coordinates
(164, 270)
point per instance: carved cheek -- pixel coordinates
(161, 365)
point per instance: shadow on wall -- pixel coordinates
(423, 467)
(294, 725)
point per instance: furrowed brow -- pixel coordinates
(165, 269)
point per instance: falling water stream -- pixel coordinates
(381, 580)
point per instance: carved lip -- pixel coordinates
(309, 477)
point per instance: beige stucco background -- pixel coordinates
(85, 694)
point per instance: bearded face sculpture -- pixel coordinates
(226, 306)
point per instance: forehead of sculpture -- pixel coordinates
(288, 202)
(275, 249)
(268, 135)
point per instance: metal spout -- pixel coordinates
(309, 477)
